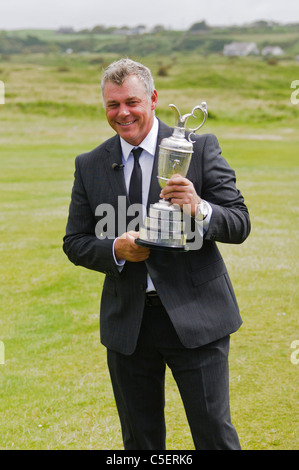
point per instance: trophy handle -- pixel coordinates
(178, 118)
(180, 121)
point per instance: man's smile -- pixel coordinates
(125, 123)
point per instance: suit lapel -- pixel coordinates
(115, 176)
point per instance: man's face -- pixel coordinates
(129, 111)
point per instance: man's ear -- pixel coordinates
(154, 100)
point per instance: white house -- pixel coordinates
(272, 50)
(240, 49)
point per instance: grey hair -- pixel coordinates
(118, 71)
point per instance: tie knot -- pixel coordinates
(136, 152)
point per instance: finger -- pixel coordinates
(174, 188)
(178, 195)
(141, 249)
(133, 234)
(179, 179)
(139, 255)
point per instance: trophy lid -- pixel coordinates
(177, 141)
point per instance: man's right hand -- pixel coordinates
(125, 248)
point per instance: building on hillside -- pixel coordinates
(272, 51)
(240, 49)
(126, 31)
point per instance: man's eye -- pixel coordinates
(112, 105)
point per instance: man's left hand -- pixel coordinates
(180, 190)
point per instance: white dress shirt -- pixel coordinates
(146, 160)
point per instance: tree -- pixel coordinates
(98, 29)
(201, 26)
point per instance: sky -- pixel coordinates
(174, 14)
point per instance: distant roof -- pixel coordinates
(240, 48)
(272, 50)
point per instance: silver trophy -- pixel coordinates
(164, 227)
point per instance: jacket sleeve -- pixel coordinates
(80, 243)
(230, 222)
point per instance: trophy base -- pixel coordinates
(160, 246)
(163, 228)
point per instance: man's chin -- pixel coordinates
(129, 136)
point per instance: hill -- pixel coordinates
(199, 38)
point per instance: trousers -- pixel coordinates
(202, 377)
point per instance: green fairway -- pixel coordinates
(55, 391)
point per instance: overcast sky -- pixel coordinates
(180, 14)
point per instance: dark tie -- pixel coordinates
(135, 190)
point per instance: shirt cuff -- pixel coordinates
(119, 263)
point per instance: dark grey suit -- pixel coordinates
(194, 287)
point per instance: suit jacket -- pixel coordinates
(194, 286)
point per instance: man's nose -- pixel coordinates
(123, 111)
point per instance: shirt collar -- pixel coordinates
(149, 143)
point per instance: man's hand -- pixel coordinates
(126, 248)
(180, 190)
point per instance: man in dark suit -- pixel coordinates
(158, 307)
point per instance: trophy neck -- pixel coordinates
(179, 132)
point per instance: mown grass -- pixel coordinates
(55, 391)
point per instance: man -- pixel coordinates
(157, 307)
